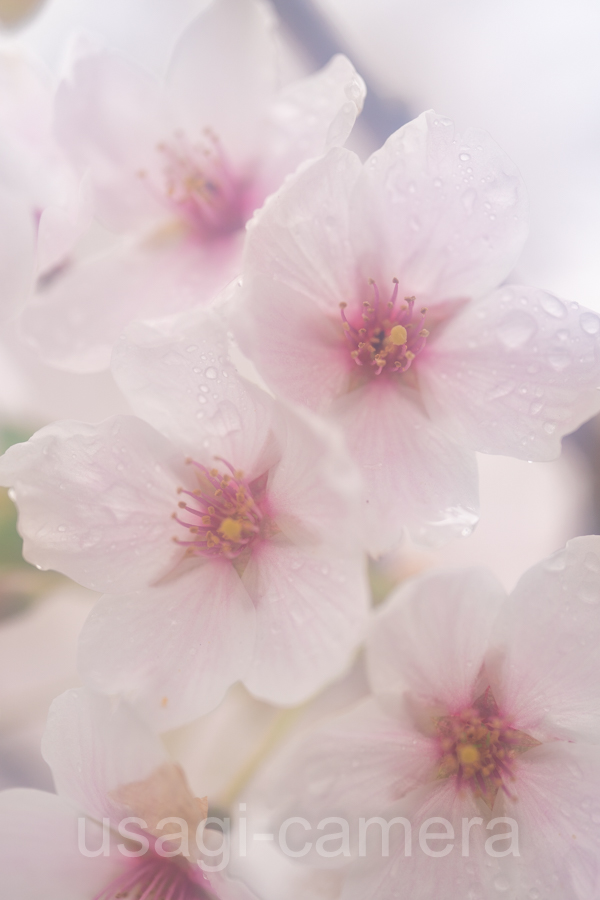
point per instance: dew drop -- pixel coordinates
(501, 884)
(590, 322)
(204, 388)
(501, 390)
(62, 528)
(211, 372)
(535, 408)
(191, 348)
(553, 306)
(464, 157)
(549, 427)
(589, 593)
(516, 329)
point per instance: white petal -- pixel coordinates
(39, 853)
(442, 212)
(301, 236)
(94, 745)
(358, 764)
(311, 613)
(555, 806)
(223, 75)
(177, 375)
(418, 875)
(95, 501)
(110, 119)
(79, 311)
(298, 350)
(515, 372)
(17, 251)
(174, 649)
(309, 117)
(550, 629)
(314, 491)
(416, 476)
(432, 636)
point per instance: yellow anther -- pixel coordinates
(468, 755)
(231, 529)
(214, 472)
(206, 520)
(398, 335)
(423, 332)
(343, 305)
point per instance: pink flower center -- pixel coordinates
(201, 185)
(479, 748)
(224, 517)
(386, 336)
(156, 878)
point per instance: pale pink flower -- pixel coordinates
(369, 295)
(484, 706)
(244, 563)
(177, 169)
(106, 765)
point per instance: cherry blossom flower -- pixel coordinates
(484, 708)
(107, 766)
(223, 527)
(177, 170)
(369, 294)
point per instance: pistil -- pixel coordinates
(478, 748)
(222, 517)
(386, 337)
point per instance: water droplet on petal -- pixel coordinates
(590, 322)
(464, 157)
(516, 329)
(549, 427)
(501, 884)
(211, 372)
(553, 306)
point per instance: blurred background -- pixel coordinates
(527, 71)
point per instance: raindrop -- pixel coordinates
(549, 427)
(516, 329)
(501, 390)
(62, 528)
(211, 372)
(589, 593)
(465, 157)
(535, 408)
(553, 306)
(501, 884)
(590, 322)
(191, 348)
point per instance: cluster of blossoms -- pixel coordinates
(184, 232)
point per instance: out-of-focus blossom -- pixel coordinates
(497, 66)
(484, 706)
(106, 765)
(38, 650)
(176, 170)
(244, 563)
(369, 295)
(41, 210)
